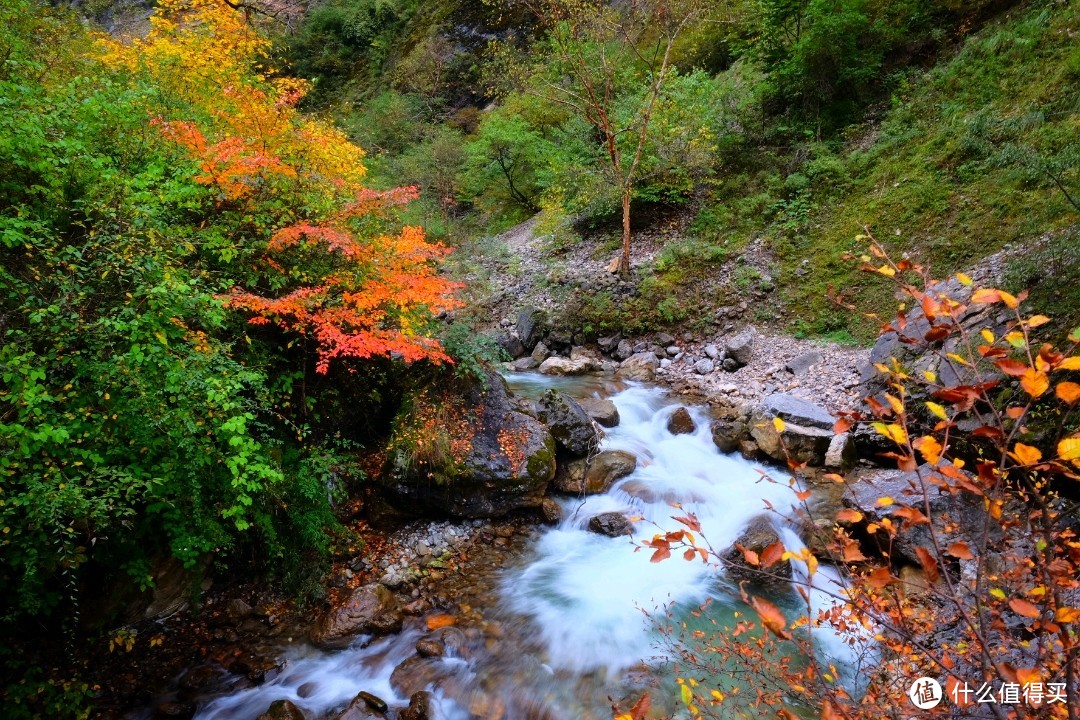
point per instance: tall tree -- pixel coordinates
(604, 57)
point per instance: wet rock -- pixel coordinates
(482, 480)
(573, 429)
(749, 449)
(430, 648)
(417, 607)
(198, 678)
(607, 467)
(704, 366)
(372, 701)
(551, 512)
(640, 366)
(361, 709)
(531, 324)
(800, 365)
(370, 609)
(601, 410)
(283, 710)
(728, 433)
(570, 476)
(238, 610)
(758, 535)
(415, 674)
(421, 707)
(612, 524)
(680, 422)
(739, 348)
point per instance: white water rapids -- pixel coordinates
(580, 608)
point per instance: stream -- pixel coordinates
(577, 613)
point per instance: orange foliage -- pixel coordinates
(357, 294)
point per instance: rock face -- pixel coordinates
(573, 429)
(370, 609)
(807, 433)
(680, 422)
(531, 324)
(462, 466)
(758, 535)
(597, 474)
(283, 710)
(639, 366)
(612, 524)
(601, 410)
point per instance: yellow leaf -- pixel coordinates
(893, 432)
(1072, 363)
(1016, 339)
(998, 593)
(930, 375)
(778, 424)
(1035, 382)
(886, 271)
(987, 335)
(1010, 300)
(1067, 614)
(1069, 448)
(883, 501)
(896, 404)
(965, 280)
(1026, 454)
(1038, 320)
(930, 448)
(956, 358)
(937, 410)
(986, 296)
(1068, 392)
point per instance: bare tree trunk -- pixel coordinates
(624, 262)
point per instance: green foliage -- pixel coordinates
(474, 353)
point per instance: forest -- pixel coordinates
(307, 306)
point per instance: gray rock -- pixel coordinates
(531, 324)
(740, 348)
(583, 354)
(612, 524)
(540, 353)
(609, 343)
(704, 366)
(524, 364)
(712, 352)
(728, 433)
(672, 350)
(573, 429)
(369, 609)
(665, 338)
(800, 365)
(601, 410)
(841, 454)
(680, 422)
(730, 365)
(511, 345)
(797, 410)
(623, 350)
(640, 366)
(665, 363)
(560, 339)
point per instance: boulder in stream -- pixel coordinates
(369, 609)
(595, 475)
(639, 366)
(420, 707)
(680, 422)
(601, 410)
(807, 430)
(573, 429)
(758, 535)
(612, 524)
(466, 450)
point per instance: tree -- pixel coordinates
(606, 58)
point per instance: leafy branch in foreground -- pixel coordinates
(963, 567)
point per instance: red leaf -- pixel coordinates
(771, 617)
(928, 563)
(1023, 607)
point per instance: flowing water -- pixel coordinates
(578, 616)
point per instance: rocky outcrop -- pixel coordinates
(467, 451)
(639, 366)
(807, 432)
(680, 422)
(369, 609)
(758, 535)
(601, 410)
(611, 524)
(573, 430)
